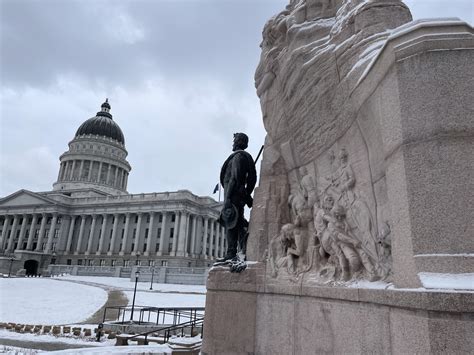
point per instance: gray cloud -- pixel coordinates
(179, 75)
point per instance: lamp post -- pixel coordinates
(152, 274)
(137, 274)
(10, 268)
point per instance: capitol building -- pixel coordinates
(89, 218)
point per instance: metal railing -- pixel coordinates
(156, 315)
(172, 330)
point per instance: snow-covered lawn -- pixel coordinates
(125, 283)
(46, 301)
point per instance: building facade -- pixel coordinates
(89, 219)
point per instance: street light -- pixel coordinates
(11, 263)
(152, 274)
(137, 274)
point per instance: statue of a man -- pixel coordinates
(238, 177)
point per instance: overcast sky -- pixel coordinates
(178, 75)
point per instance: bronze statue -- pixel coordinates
(238, 177)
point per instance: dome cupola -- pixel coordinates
(96, 159)
(102, 125)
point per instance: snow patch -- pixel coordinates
(46, 301)
(447, 281)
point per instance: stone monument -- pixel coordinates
(365, 196)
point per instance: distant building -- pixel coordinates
(89, 219)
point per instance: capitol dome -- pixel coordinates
(96, 159)
(102, 125)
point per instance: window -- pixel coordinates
(146, 233)
(35, 244)
(164, 262)
(123, 232)
(136, 218)
(113, 262)
(37, 231)
(68, 262)
(30, 220)
(24, 245)
(133, 246)
(173, 217)
(79, 261)
(54, 247)
(160, 219)
(134, 233)
(144, 247)
(15, 247)
(158, 233)
(91, 262)
(147, 218)
(56, 233)
(124, 219)
(102, 262)
(157, 247)
(58, 221)
(171, 233)
(53, 261)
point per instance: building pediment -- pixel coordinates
(25, 198)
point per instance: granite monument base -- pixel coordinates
(246, 315)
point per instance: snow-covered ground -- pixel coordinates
(125, 283)
(46, 301)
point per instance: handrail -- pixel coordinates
(176, 312)
(193, 323)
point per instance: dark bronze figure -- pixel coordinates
(238, 177)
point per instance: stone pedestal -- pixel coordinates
(245, 315)
(365, 191)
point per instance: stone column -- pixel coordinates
(192, 250)
(49, 243)
(198, 241)
(81, 234)
(102, 234)
(151, 235)
(107, 178)
(204, 239)
(100, 172)
(183, 233)
(163, 239)
(115, 176)
(211, 238)
(126, 181)
(114, 234)
(136, 246)
(91, 165)
(70, 234)
(81, 170)
(125, 234)
(71, 174)
(60, 171)
(218, 240)
(31, 235)
(44, 218)
(12, 234)
(3, 238)
(175, 234)
(90, 241)
(224, 238)
(22, 232)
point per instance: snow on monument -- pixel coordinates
(365, 188)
